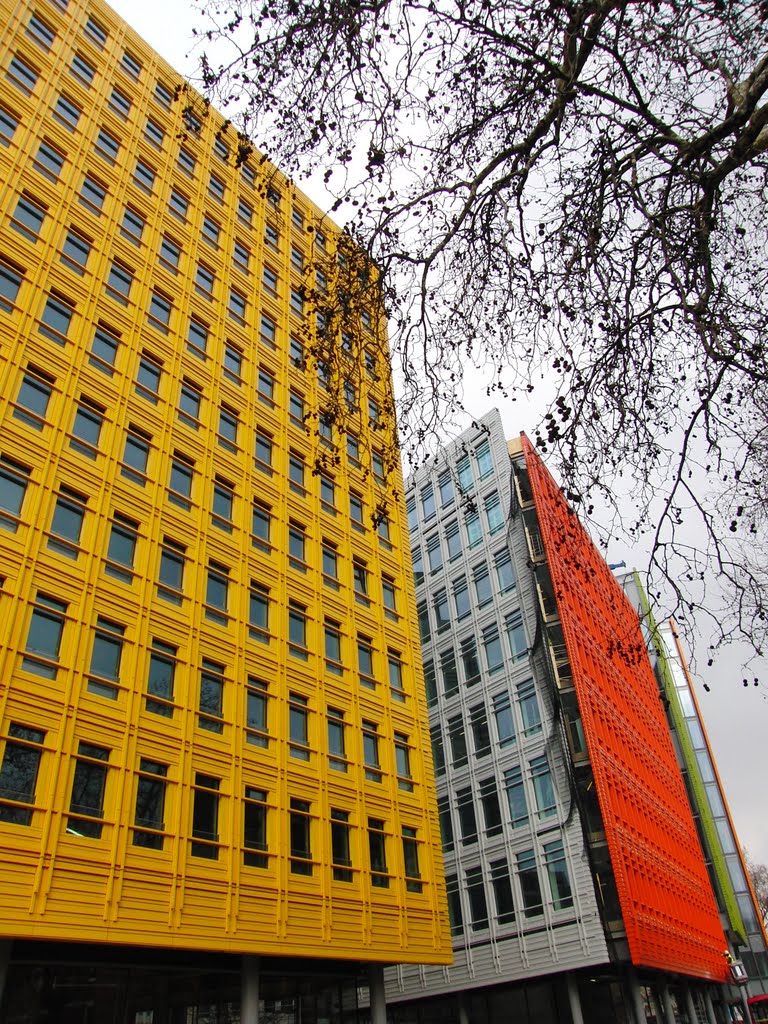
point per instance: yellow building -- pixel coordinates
(212, 725)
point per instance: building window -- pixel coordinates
(159, 314)
(333, 662)
(529, 707)
(46, 626)
(205, 817)
(28, 217)
(255, 828)
(171, 574)
(241, 257)
(461, 598)
(442, 612)
(325, 429)
(160, 678)
(365, 661)
(529, 883)
(56, 318)
(502, 891)
(256, 713)
(266, 386)
(382, 531)
(220, 148)
(403, 762)
(296, 470)
(482, 580)
(340, 847)
(453, 540)
(434, 553)
(148, 377)
(120, 104)
(216, 188)
(484, 460)
(464, 473)
(92, 195)
(248, 175)
(494, 656)
(18, 773)
(411, 860)
(505, 573)
(467, 820)
(86, 805)
(470, 661)
(371, 751)
(211, 231)
(8, 125)
(518, 809)
(489, 799)
(430, 682)
(297, 631)
(330, 565)
(119, 283)
(228, 426)
(130, 65)
(428, 502)
(296, 408)
(445, 486)
(133, 225)
(543, 788)
(360, 581)
(301, 837)
(66, 113)
(233, 363)
(493, 513)
(211, 706)
(377, 852)
(446, 824)
(32, 400)
(13, 486)
(22, 74)
(298, 726)
(217, 593)
(10, 283)
(557, 875)
(518, 646)
(155, 136)
(474, 529)
(237, 306)
(107, 146)
(178, 206)
(205, 280)
(50, 162)
(505, 725)
(67, 522)
(328, 494)
(169, 255)
(337, 754)
(478, 908)
(297, 303)
(41, 32)
(356, 512)
(271, 236)
(106, 656)
(136, 455)
(244, 212)
(449, 672)
(258, 613)
(95, 32)
(121, 550)
(163, 95)
(148, 819)
(395, 666)
(261, 527)
(180, 482)
(438, 752)
(82, 70)
(458, 741)
(104, 349)
(481, 736)
(190, 398)
(144, 177)
(268, 331)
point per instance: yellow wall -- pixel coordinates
(55, 882)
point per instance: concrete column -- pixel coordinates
(666, 1003)
(5, 957)
(574, 999)
(378, 997)
(249, 990)
(693, 1017)
(463, 1011)
(710, 1008)
(637, 1000)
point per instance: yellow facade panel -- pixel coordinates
(212, 726)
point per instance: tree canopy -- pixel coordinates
(571, 193)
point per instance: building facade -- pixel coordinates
(213, 738)
(576, 882)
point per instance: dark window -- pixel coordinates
(211, 705)
(33, 397)
(180, 482)
(107, 146)
(502, 891)
(169, 255)
(233, 363)
(136, 455)
(148, 377)
(119, 283)
(458, 741)
(197, 338)
(28, 217)
(261, 527)
(66, 113)
(518, 809)
(478, 908)
(163, 95)
(340, 848)
(255, 828)
(160, 678)
(377, 851)
(171, 573)
(301, 847)
(22, 74)
(82, 70)
(49, 161)
(371, 751)
(41, 32)
(186, 162)
(489, 798)
(178, 205)
(216, 188)
(411, 860)
(104, 349)
(92, 195)
(10, 282)
(337, 755)
(256, 723)
(133, 226)
(8, 125)
(150, 805)
(131, 65)
(106, 655)
(75, 252)
(67, 522)
(86, 805)
(467, 821)
(529, 883)
(403, 762)
(205, 817)
(18, 773)
(190, 398)
(46, 626)
(121, 550)
(159, 314)
(211, 231)
(298, 726)
(13, 485)
(55, 319)
(258, 615)
(557, 874)
(120, 104)
(217, 593)
(96, 32)
(144, 177)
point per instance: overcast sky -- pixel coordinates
(735, 718)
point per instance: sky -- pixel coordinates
(735, 718)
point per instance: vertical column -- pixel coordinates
(666, 1002)
(5, 957)
(249, 990)
(637, 999)
(574, 1000)
(693, 1016)
(710, 1008)
(462, 1006)
(378, 998)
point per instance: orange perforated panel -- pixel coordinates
(666, 898)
